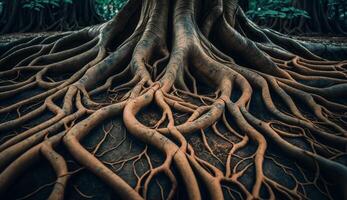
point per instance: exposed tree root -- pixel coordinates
(122, 67)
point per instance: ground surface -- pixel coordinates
(339, 41)
(84, 185)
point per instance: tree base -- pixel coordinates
(235, 104)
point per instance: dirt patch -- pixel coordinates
(7, 38)
(332, 40)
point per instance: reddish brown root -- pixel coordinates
(245, 91)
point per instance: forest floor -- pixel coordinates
(84, 185)
(6, 38)
(332, 40)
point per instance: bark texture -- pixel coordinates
(210, 72)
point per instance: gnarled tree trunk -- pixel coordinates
(263, 99)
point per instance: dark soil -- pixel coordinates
(332, 40)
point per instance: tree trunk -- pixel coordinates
(244, 112)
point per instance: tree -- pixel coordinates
(265, 100)
(38, 15)
(301, 16)
(319, 21)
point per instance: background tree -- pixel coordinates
(301, 16)
(39, 15)
(213, 107)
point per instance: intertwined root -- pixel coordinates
(82, 80)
